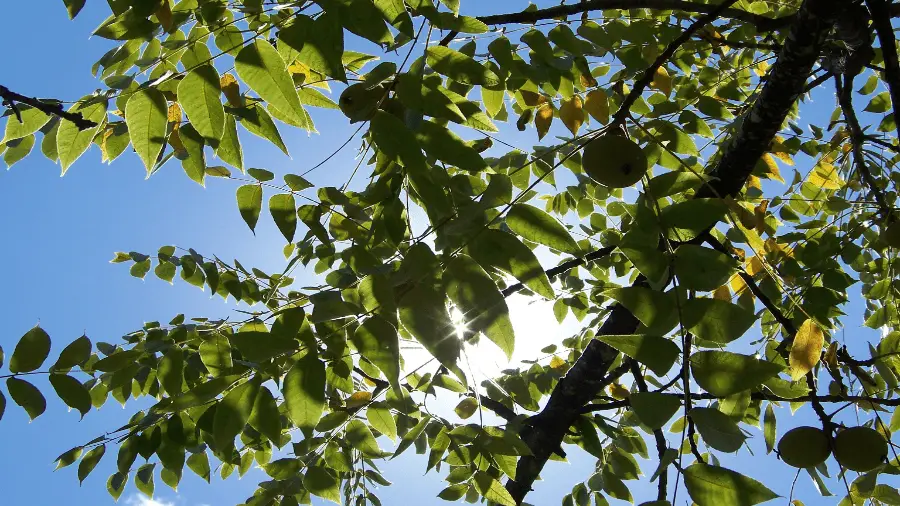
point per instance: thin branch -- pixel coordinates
(756, 396)
(650, 72)
(762, 23)
(881, 11)
(563, 268)
(661, 444)
(11, 98)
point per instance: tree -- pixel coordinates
(670, 266)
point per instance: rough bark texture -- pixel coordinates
(785, 83)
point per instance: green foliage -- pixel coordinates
(665, 278)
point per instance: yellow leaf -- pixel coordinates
(232, 90)
(780, 151)
(543, 119)
(807, 349)
(174, 115)
(830, 358)
(531, 98)
(737, 284)
(597, 105)
(662, 81)
(722, 293)
(825, 175)
(754, 266)
(175, 142)
(754, 182)
(761, 68)
(772, 171)
(617, 391)
(359, 399)
(571, 114)
(759, 214)
(558, 364)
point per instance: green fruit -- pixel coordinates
(614, 161)
(891, 235)
(860, 449)
(358, 102)
(804, 447)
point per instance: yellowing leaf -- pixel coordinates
(232, 90)
(359, 399)
(571, 114)
(543, 120)
(174, 115)
(754, 266)
(597, 105)
(722, 293)
(772, 171)
(825, 175)
(807, 349)
(617, 391)
(662, 81)
(558, 364)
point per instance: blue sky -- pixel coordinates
(61, 232)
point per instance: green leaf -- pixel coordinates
(718, 429)
(73, 7)
(715, 486)
(68, 458)
(171, 371)
(304, 392)
(320, 482)
(199, 94)
(72, 392)
(229, 149)
(380, 418)
(504, 251)
(215, 353)
(261, 346)
(90, 461)
(423, 313)
(703, 269)
(466, 407)
(143, 479)
(685, 220)
(318, 43)
(492, 490)
(200, 394)
(17, 150)
(656, 310)
(199, 464)
(32, 121)
(360, 437)
(146, 115)
(283, 469)
(407, 440)
(265, 416)
(115, 485)
(393, 137)
(657, 353)
(654, 409)
(880, 103)
(26, 395)
(769, 428)
(478, 298)
(261, 67)
(283, 208)
(194, 163)
(537, 226)
(460, 67)
(377, 341)
(2, 404)
(118, 360)
(296, 183)
(71, 142)
(438, 141)
(249, 201)
(723, 373)
(233, 411)
(259, 122)
(31, 351)
(714, 320)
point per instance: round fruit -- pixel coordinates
(891, 235)
(614, 161)
(804, 447)
(358, 101)
(860, 449)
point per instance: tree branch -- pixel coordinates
(762, 23)
(881, 11)
(10, 98)
(756, 396)
(661, 444)
(650, 72)
(563, 268)
(786, 82)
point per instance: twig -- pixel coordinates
(650, 72)
(10, 98)
(563, 268)
(661, 445)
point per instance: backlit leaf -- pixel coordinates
(261, 67)
(722, 373)
(31, 351)
(304, 392)
(146, 115)
(714, 486)
(806, 349)
(535, 225)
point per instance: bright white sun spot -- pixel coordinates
(458, 319)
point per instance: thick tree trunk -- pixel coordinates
(784, 85)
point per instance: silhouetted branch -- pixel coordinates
(11, 98)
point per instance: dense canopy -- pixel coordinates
(709, 245)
